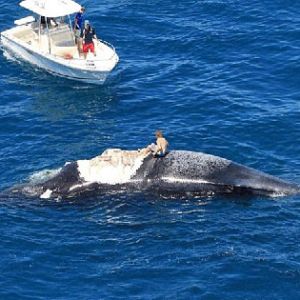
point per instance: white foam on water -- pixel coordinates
(9, 55)
(113, 166)
(44, 175)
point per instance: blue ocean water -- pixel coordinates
(216, 76)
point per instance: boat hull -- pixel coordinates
(56, 66)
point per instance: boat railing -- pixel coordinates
(110, 46)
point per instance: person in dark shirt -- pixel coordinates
(87, 35)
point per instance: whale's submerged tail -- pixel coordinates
(257, 182)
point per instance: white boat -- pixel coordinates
(53, 48)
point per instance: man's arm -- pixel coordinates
(75, 23)
(159, 146)
(94, 34)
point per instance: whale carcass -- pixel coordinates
(178, 173)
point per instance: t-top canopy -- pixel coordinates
(51, 8)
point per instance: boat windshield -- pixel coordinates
(62, 36)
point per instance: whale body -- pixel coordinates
(178, 173)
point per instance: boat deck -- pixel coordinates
(60, 41)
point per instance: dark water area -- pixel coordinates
(221, 77)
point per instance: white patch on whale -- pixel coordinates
(184, 180)
(74, 187)
(113, 166)
(46, 194)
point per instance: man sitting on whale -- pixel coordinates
(160, 148)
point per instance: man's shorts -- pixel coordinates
(160, 155)
(87, 47)
(77, 33)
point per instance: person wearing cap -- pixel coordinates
(87, 36)
(78, 26)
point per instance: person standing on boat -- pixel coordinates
(87, 36)
(78, 26)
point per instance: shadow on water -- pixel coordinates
(67, 99)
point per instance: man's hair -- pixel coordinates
(158, 133)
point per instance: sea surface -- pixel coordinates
(218, 76)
